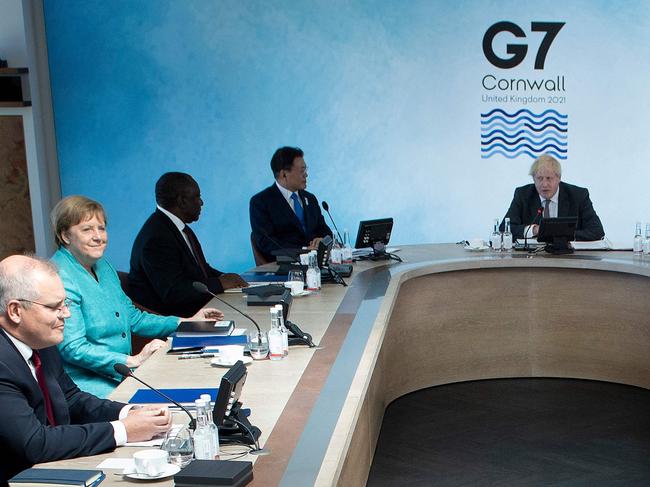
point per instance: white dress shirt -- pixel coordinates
(552, 210)
(180, 224)
(119, 430)
(287, 195)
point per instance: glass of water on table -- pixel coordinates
(179, 445)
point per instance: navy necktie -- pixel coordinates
(547, 208)
(297, 207)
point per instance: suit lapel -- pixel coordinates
(23, 372)
(283, 205)
(563, 202)
(176, 235)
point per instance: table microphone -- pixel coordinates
(326, 207)
(202, 288)
(539, 212)
(126, 372)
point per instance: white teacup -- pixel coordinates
(150, 462)
(296, 287)
(231, 353)
(476, 243)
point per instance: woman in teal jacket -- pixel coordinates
(98, 333)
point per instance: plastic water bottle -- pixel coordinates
(313, 273)
(646, 240)
(276, 350)
(214, 430)
(507, 237)
(347, 248)
(283, 330)
(638, 239)
(203, 448)
(495, 238)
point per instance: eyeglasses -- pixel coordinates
(54, 307)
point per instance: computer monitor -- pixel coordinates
(375, 234)
(557, 233)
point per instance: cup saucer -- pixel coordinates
(170, 469)
(223, 362)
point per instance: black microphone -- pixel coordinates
(126, 372)
(539, 212)
(202, 288)
(326, 207)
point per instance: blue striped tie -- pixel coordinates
(297, 207)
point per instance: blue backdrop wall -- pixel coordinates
(399, 109)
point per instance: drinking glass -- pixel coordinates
(258, 344)
(296, 275)
(179, 445)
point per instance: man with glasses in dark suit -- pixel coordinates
(45, 416)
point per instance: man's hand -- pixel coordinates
(313, 245)
(144, 423)
(206, 314)
(231, 280)
(534, 230)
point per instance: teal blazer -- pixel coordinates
(98, 333)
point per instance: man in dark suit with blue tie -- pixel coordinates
(285, 215)
(45, 416)
(167, 258)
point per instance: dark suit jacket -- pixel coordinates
(82, 419)
(573, 201)
(163, 270)
(275, 225)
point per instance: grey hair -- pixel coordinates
(20, 284)
(546, 160)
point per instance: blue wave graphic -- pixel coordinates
(526, 118)
(520, 132)
(527, 139)
(524, 133)
(528, 153)
(527, 146)
(524, 110)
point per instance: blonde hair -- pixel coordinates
(546, 160)
(71, 211)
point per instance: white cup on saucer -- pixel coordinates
(296, 287)
(476, 243)
(231, 353)
(150, 462)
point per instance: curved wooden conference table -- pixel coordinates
(444, 315)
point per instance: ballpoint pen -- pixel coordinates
(197, 355)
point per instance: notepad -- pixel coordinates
(182, 396)
(206, 341)
(52, 477)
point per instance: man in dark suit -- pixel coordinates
(167, 257)
(45, 417)
(549, 197)
(284, 215)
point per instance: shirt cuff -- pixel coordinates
(119, 433)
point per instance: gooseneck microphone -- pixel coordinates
(326, 207)
(123, 370)
(202, 288)
(526, 230)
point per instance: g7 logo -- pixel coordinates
(519, 51)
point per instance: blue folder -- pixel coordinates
(183, 396)
(206, 341)
(263, 277)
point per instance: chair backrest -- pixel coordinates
(259, 258)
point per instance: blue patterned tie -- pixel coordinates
(297, 207)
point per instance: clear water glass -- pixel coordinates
(296, 275)
(258, 344)
(179, 446)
